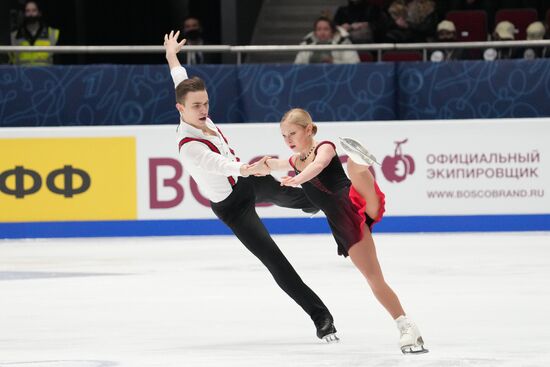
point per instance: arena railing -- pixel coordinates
(239, 51)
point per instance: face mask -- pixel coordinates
(32, 19)
(193, 34)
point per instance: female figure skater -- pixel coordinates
(351, 207)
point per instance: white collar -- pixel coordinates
(188, 129)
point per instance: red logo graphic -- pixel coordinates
(398, 167)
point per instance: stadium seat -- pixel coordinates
(402, 56)
(521, 18)
(471, 25)
(366, 56)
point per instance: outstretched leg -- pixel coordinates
(363, 182)
(238, 213)
(363, 255)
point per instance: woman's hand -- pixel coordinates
(259, 168)
(289, 181)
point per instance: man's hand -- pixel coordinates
(171, 43)
(259, 168)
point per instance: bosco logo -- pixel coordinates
(397, 167)
(68, 179)
(20, 189)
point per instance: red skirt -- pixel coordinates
(346, 236)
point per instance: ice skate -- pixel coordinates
(410, 340)
(358, 153)
(326, 330)
(312, 212)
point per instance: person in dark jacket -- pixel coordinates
(359, 19)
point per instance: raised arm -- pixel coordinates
(172, 47)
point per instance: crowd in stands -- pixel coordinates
(363, 22)
(421, 21)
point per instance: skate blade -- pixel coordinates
(414, 349)
(410, 350)
(331, 338)
(352, 145)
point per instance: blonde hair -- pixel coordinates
(419, 10)
(301, 118)
(398, 9)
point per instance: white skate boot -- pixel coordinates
(410, 339)
(358, 153)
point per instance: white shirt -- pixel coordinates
(212, 171)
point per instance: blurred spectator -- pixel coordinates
(412, 22)
(422, 19)
(396, 26)
(325, 32)
(446, 32)
(504, 31)
(535, 31)
(33, 32)
(358, 19)
(192, 31)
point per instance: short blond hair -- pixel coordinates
(300, 117)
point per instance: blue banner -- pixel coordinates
(143, 94)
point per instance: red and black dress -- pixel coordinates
(332, 192)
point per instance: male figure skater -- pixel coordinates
(233, 190)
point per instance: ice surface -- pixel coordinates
(479, 299)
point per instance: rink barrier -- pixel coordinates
(493, 180)
(201, 227)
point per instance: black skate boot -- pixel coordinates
(326, 330)
(311, 211)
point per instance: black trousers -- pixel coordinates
(238, 212)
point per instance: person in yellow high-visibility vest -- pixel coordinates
(33, 32)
